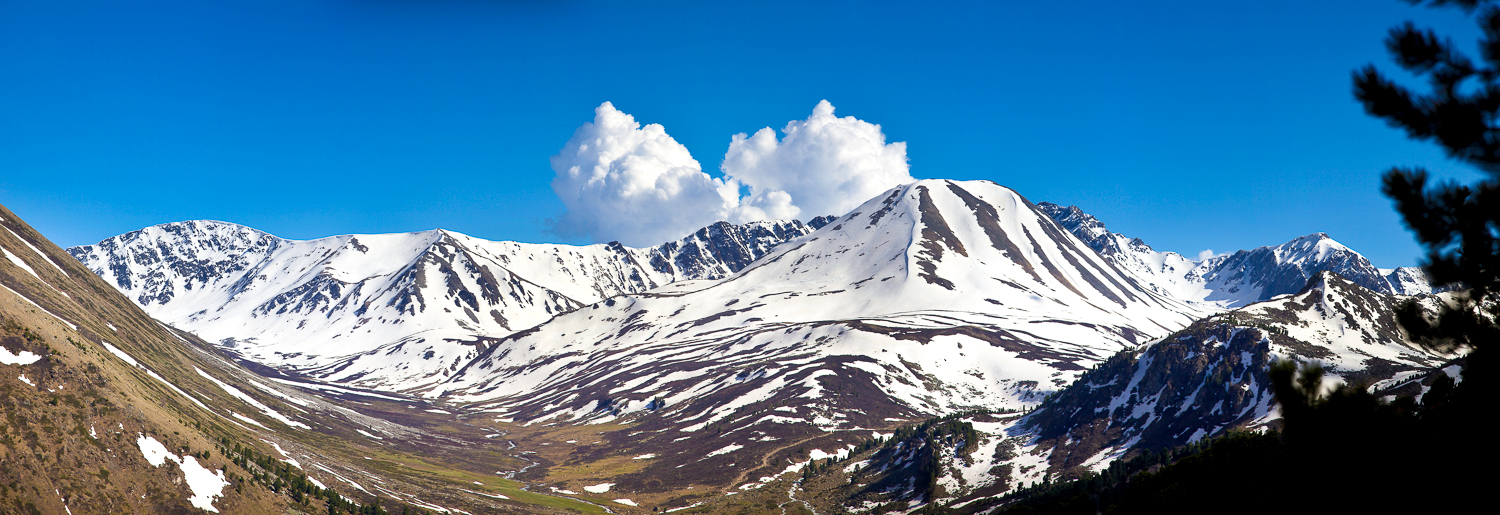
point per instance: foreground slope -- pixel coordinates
(109, 411)
(389, 311)
(87, 430)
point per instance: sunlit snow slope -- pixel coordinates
(933, 297)
(389, 311)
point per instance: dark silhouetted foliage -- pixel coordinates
(1342, 449)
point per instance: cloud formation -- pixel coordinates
(621, 181)
(824, 165)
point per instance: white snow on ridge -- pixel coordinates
(38, 253)
(384, 311)
(120, 354)
(44, 310)
(599, 488)
(22, 264)
(264, 409)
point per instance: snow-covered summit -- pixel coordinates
(934, 297)
(1240, 278)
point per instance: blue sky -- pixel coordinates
(1192, 125)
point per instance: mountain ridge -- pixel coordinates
(1244, 276)
(424, 300)
(937, 298)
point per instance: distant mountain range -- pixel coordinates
(717, 350)
(1244, 276)
(390, 311)
(402, 312)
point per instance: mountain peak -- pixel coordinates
(352, 305)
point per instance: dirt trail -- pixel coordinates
(765, 461)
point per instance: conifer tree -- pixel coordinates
(1458, 224)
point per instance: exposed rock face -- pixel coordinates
(391, 311)
(720, 249)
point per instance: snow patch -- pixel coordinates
(599, 488)
(38, 252)
(17, 261)
(286, 457)
(266, 410)
(246, 419)
(44, 310)
(205, 484)
(120, 354)
(724, 450)
(23, 358)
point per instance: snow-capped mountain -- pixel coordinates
(714, 353)
(934, 297)
(390, 311)
(1211, 377)
(1241, 278)
(1199, 382)
(1409, 280)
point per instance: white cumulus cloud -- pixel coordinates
(824, 165)
(621, 181)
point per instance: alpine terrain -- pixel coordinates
(944, 344)
(390, 311)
